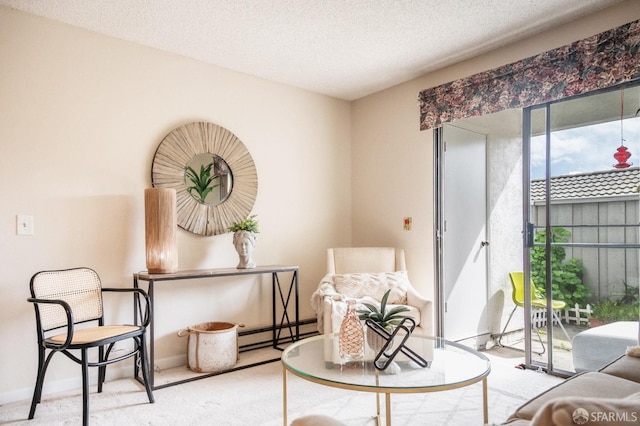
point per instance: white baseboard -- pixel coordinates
(170, 362)
(116, 371)
(50, 387)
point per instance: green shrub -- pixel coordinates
(630, 296)
(611, 311)
(566, 276)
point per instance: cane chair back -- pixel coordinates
(80, 288)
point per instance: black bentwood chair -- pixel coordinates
(64, 298)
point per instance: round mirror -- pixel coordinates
(213, 174)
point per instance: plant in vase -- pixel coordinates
(244, 240)
(386, 319)
(249, 224)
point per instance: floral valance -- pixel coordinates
(596, 62)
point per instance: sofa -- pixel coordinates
(609, 396)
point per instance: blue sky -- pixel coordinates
(586, 149)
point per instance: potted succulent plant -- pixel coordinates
(387, 319)
(244, 240)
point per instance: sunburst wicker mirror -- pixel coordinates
(213, 174)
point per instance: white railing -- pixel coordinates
(575, 315)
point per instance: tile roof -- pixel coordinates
(589, 185)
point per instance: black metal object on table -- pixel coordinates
(389, 350)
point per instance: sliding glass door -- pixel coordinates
(581, 221)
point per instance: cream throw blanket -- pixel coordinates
(364, 287)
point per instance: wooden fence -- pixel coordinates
(599, 221)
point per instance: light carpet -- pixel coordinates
(254, 397)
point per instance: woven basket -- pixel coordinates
(212, 346)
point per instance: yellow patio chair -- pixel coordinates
(537, 301)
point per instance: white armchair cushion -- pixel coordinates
(375, 285)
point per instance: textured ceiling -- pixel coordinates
(342, 48)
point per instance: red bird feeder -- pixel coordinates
(622, 155)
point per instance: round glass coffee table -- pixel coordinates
(451, 366)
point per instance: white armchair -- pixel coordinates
(365, 274)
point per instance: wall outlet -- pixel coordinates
(24, 225)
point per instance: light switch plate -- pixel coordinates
(24, 225)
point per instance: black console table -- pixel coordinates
(281, 295)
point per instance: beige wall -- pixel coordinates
(81, 116)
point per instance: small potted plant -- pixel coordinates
(387, 319)
(244, 240)
(249, 224)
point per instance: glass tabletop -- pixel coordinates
(451, 365)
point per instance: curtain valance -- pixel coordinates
(596, 62)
